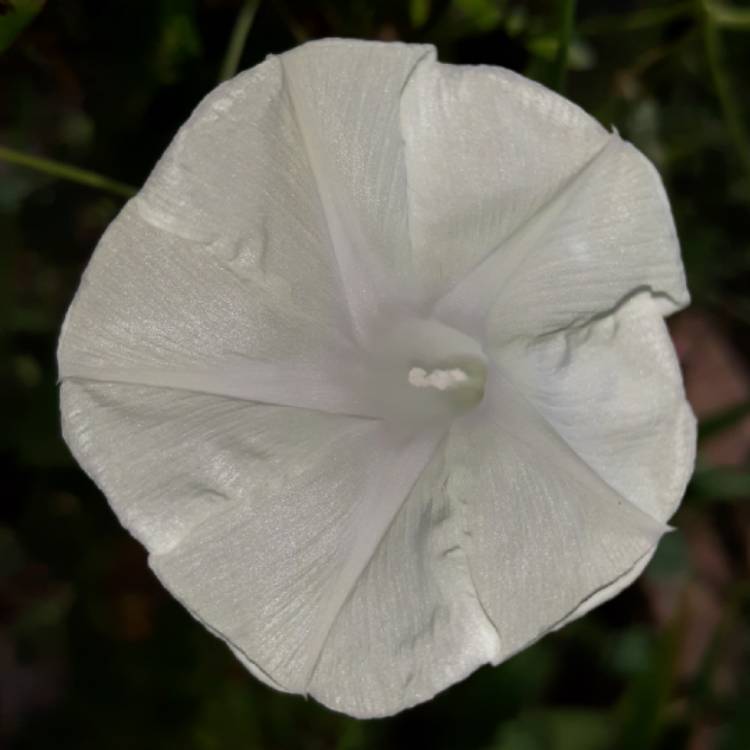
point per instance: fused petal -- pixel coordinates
(414, 624)
(546, 531)
(287, 532)
(222, 262)
(375, 368)
(613, 390)
(604, 235)
(520, 199)
(485, 149)
(346, 96)
(168, 460)
(586, 458)
(275, 574)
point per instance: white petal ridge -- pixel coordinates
(268, 559)
(322, 222)
(524, 209)
(588, 477)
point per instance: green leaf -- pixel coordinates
(15, 16)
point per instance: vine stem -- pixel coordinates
(237, 40)
(66, 172)
(637, 20)
(567, 21)
(723, 86)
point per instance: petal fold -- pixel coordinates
(235, 369)
(413, 625)
(346, 96)
(155, 308)
(485, 149)
(522, 205)
(606, 234)
(546, 530)
(613, 390)
(274, 574)
(317, 547)
(168, 460)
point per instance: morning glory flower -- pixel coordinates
(375, 366)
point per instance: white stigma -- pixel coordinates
(440, 379)
(420, 373)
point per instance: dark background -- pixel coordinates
(94, 654)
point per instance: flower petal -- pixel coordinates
(236, 180)
(346, 97)
(413, 625)
(257, 252)
(168, 460)
(606, 234)
(222, 262)
(158, 309)
(486, 149)
(273, 575)
(613, 390)
(286, 532)
(546, 531)
(368, 566)
(518, 195)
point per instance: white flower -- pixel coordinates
(375, 367)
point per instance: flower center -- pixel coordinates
(422, 373)
(440, 379)
(463, 383)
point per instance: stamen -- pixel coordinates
(440, 379)
(420, 373)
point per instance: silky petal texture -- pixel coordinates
(486, 149)
(183, 457)
(607, 233)
(286, 257)
(289, 530)
(148, 312)
(413, 619)
(346, 96)
(307, 548)
(318, 125)
(630, 423)
(546, 532)
(538, 212)
(224, 369)
(613, 390)
(199, 483)
(205, 273)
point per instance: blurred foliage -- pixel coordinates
(14, 17)
(93, 654)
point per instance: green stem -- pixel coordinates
(237, 40)
(66, 172)
(567, 20)
(731, 18)
(641, 19)
(722, 84)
